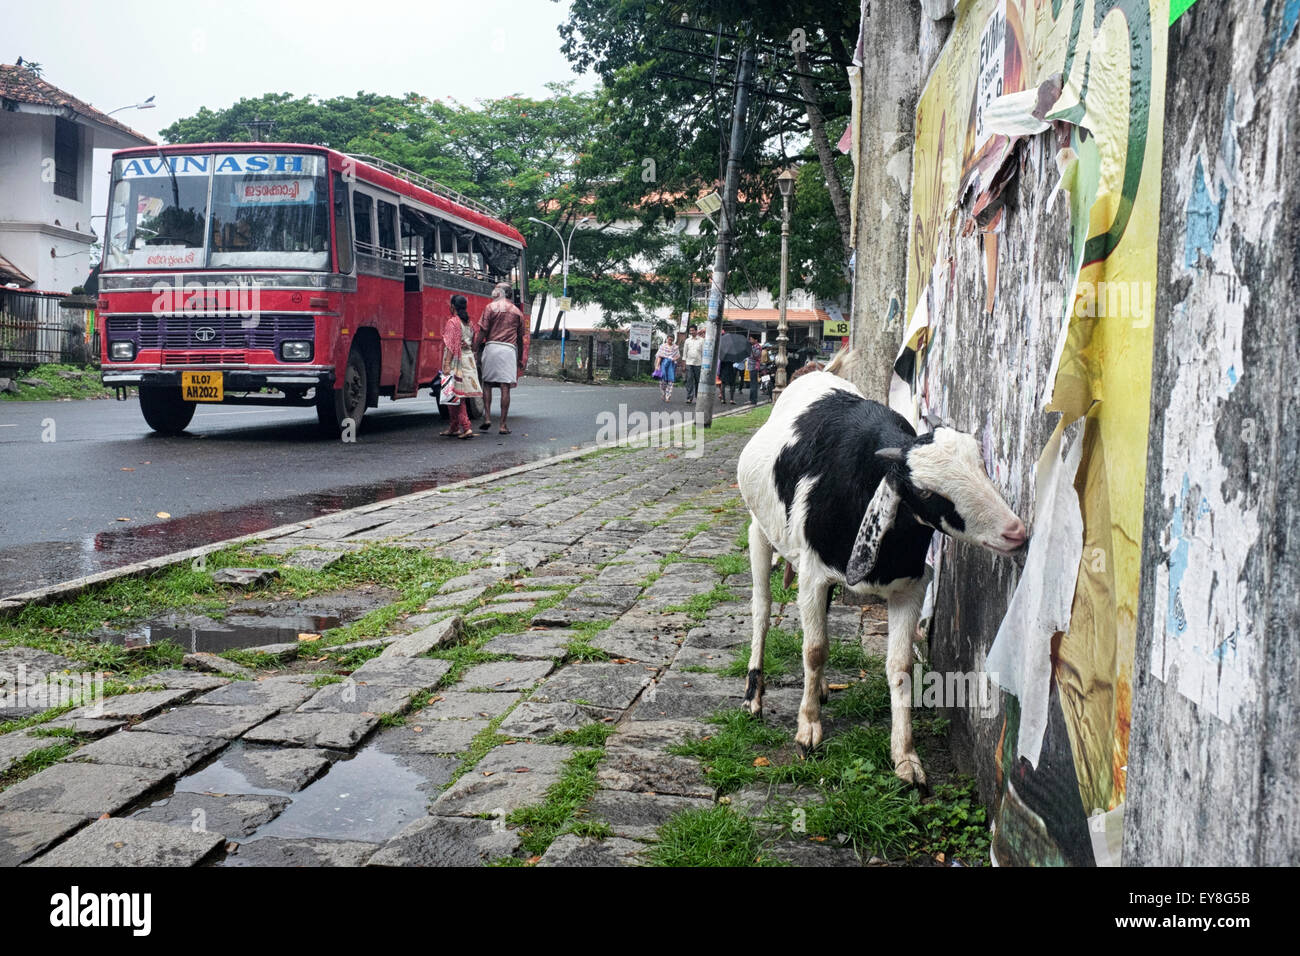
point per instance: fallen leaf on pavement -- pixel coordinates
(837, 686)
(123, 519)
(128, 469)
(306, 637)
(162, 514)
(762, 762)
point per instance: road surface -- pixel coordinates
(72, 470)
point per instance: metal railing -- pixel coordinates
(424, 182)
(35, 331)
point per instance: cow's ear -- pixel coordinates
(879, 518)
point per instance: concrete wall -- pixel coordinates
(1215, 758)
(544, 357)
(33, 220)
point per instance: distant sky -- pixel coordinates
(190, 55)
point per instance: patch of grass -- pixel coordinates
(728, 755)
(713, 837)
(866, 700)
(955, 823)
(579, 649)
(418, 701)
(324, 680)
(782, 654)
(592, 735)
(255, 660)
(54, 386)
(34, 763)
(354, 658)
(729, 564)
(699, 605)
(540, 825)
(53, 732)
(780, 593)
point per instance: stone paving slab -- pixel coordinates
(25, 833)
(506, 675)
(174, 753)
(177, 679)
(248, 769)
(279, 693)
(647, 771)
(32, 664)
(464, 705)
(434, 736)
(422, 672)
(637, 816)
(446, 631)
(540, 720)
(122, 842)
(509, 777)
(493, 610)
(351, 697)
(534, 645)
(133, 706)
(209, 720)
(211, 663)
(573, 850)
(447, 841)
(612, 686)
(89, 790)
(87, 726)
(233, 815)
(445, 600)
(330, 730)
(282, 851)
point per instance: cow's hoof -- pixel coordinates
(909, 771)
(808, 739)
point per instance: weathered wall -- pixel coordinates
(885, 101)
(1215, 757)
(544, 357)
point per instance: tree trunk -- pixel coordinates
(825, 153)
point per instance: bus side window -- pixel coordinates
(361, 209)
(342, 225)
(388, 231)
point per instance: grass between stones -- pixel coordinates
(699, 605)
(851, 795)
(35, 762)
(54, 386)
(541, 824)
(712, 837)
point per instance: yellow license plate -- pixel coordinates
(202, 386)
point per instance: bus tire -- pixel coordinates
(164, 409)
(334, 406)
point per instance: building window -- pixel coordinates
(67, 158)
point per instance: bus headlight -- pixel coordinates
(121, 351)
(295, 351)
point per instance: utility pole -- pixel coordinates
(722, 257)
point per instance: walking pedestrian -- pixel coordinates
(502, 346)
(693, 358)
(459, 374)
(753, 364)
(666, 361)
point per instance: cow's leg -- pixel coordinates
(812, 614)
(904, 613)
(760, 607)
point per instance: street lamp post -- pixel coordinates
(784, 182)
(564, 246)
(146, 105)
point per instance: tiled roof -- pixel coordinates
(20, 85)
(11, 273)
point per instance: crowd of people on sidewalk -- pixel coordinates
(738, 361)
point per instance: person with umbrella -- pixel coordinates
(733, 349)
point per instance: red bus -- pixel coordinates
(282, 274)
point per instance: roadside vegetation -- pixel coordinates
(56, 382)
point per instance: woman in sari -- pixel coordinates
(459, 370)
(666, 360)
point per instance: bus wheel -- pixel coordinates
(334, 406)
(164, 409)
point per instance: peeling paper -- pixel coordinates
(1020, 660)
(1012, 115)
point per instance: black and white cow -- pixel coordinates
(845, 491)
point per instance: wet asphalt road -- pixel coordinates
(240, 470)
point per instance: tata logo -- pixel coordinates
(205, 333)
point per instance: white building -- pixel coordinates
(47, 144)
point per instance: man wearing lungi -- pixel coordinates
(502, 345)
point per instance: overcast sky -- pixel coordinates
(190, 55)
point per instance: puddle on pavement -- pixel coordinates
(254, 623)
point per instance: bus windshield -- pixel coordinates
(236, 210)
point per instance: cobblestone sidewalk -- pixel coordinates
(620, 558)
